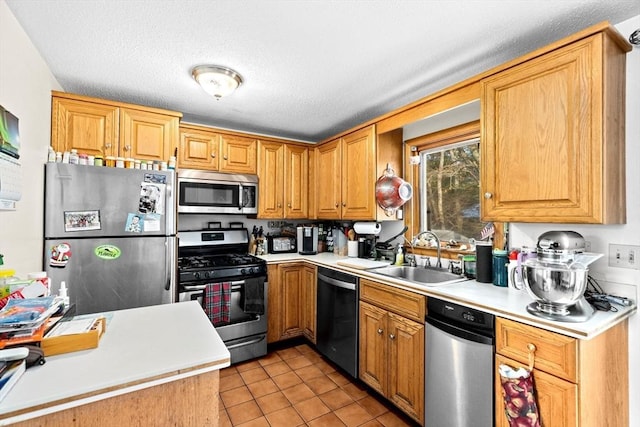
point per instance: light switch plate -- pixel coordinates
(624, 256)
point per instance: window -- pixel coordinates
(446, 185)
(449, 190)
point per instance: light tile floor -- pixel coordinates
(295, 386)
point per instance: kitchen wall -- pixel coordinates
(25, 85)
(25, 90)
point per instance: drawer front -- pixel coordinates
(399, 301)
(554, 354)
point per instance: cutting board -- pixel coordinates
(361, 263)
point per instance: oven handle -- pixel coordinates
(234, 286)
(243, 343)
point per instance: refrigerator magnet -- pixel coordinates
(60, 255)
(134, 223)
(152, 222)
(81, 220)
(151, 198)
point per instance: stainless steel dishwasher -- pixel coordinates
(337, 318)
(458, 366)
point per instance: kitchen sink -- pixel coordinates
(422, 275)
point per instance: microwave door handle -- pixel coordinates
(240, 197)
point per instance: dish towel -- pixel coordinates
(253, 295)
(217, 302)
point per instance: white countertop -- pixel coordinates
(500, 301)
(141, 347)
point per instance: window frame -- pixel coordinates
(413, 147)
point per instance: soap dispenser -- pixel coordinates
(399, 255)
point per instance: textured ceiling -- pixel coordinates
(312, 69)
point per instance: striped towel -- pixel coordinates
(217, 302)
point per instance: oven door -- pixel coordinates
(241, 324)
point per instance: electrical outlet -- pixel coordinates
(624, 256)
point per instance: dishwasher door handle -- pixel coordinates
(337, 283)
(459, 332)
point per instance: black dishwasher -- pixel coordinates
(337, 318)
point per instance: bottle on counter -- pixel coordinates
(399, 255)
(74, 158)
(58, 157)
(64, 294)
(65, 157)
(51, 155)
(499, 267)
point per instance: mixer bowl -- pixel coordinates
(555, 287)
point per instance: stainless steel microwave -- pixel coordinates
(207, 192)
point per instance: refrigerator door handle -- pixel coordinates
(170, 267)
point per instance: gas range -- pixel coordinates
(220, 254)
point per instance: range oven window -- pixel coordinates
(209, 194)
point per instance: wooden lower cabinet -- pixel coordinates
(578, 382)
(392, 347)
(291, 302)
(309, 301)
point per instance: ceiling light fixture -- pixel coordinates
(217, 81)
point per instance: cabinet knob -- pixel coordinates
(488, 195)
(344, 205)
(224, 157)
(279, 205)
(288, 205)
(127, 148)
(337, 205)
(380, 331)
(213, 155)
(107, 145)
(392, 337)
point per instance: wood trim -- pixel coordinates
(259, 137)
(421, 108)
(118, 104)
(442, 138)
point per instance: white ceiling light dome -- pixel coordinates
(216, 80)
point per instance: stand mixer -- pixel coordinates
(557, 278)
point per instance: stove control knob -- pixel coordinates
(244, 271)
(196, 275)
(206, 274)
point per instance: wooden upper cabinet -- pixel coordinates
(271, 177)
(359, 174)
(553, 138)
(346, 171)
(328, 181)
(85, 126)
(198, 149)
(147, 135)
(296, 181)
(283, 171)
(239, 154)
(101, 127)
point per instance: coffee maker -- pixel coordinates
(307, 240)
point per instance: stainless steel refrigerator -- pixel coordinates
(110, 234)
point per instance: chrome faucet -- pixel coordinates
(437, 239)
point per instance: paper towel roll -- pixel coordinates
(367, 227)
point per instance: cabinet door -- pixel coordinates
(359, 174)
(271, 176)
(406, 365)
(296, 181)
(291, 309)
(542, 156)
(556, 398)
(198, 150)
(239, 154)
(147, 135)
(373, 347)
(308, 303)
(328, 180)
(274, 295)
(87, 127)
